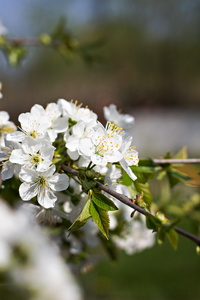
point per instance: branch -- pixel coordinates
(176, 161)
(30, 42)
(128, 201)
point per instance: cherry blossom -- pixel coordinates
(42, 184)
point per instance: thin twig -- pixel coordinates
(29, 42)
(176, 161)
(128, 201)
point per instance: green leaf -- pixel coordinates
(101, 219)
(176, 176)
(126, 180)
(104, 202)
(182, 154)
(146, 162)
(142, 173)
(166, 229)
(152, 222)
(161, 174)
(172, 237)
(84, 216)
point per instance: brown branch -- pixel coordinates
(129, 202)
(176, 161)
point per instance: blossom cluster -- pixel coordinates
(29, 151)
(67, 133)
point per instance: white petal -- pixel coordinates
(74, 155)
(49, 172)
(60, 125)
(114, 157)
(16, 136)
(99, 160)
(7, 171)
(52, 134)
(86, 147)
(59, 182)
(78, 129)
(46, 198)
(53, 110)
(18, 157)
(128, 170)
(72, 143)
(28, 175)
(38, 111)
(27, 191)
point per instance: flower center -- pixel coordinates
(36, 159)
(42, 181)
(33, 134)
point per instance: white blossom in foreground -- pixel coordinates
(42, 272)
(6, 149)
(121, 120)
(42, 184)
(33, 154)
(6, 126)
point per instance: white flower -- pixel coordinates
(33, 154)
(79, 131)
(53, 114)
(104, 145)
(75, 113)
(42, 184)
(6, 126)
(121, 120)
(130, 157)
(31, 125)
(6, 149)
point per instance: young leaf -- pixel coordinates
(15, 54)
(87, 184)
(101, 219)
(104, 202)
(152, 222)
(182, 154)
(172, 237)
(84, 216)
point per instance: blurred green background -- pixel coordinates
(144, 56)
